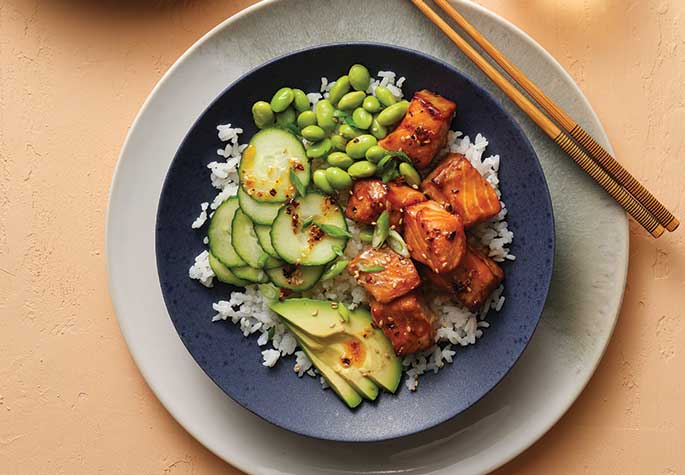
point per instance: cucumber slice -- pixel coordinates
(308, 246)
(264, 238)
(259, 212)
(224, 274)
(266, 164)
(246, 243)
(251, 274)
(297, 278)
(219, 234)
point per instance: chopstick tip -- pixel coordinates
(673, 225)
(658, 231)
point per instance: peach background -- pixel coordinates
(72, 77)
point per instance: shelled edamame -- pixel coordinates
(341, 131)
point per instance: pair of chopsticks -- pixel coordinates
(565, 132)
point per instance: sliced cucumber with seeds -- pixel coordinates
(259, 212)
(219, 234)
(258, 276)
(266, 164)
(224, 274)
(312, 244)
(264, 238)
(297, 278)
(247, 245)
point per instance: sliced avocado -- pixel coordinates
(321, 328)
(382, 366)
(332, 355)
(315, 317)
(344, 390)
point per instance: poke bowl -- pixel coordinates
(355, 242)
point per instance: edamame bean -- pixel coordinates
(349, 132)
(262, 114)
(377, 130)
(375, 153)
(393, 114)
(282, 99)
(357, 147)
(339, 142)
(362, 118)
(338, 178)
(359, 77)
(313, 133)
(339, 89)
(300, 100)
(340, 160)
(411, 176)
(362, 169)
(385, 96)
(351, 100)
(305, 119)
(319, 149)
(371, 104)
(324, 115)
(321, 182)
(288, 116)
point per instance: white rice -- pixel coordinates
(249, 310)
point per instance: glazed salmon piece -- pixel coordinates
(407, 321)
(400, 197)
(384, 274)
(370, 197)
(461, 189)
(423, 131)
(473, 281)
(367, 201)
(434, 236)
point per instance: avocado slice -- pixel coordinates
(331, 355)
(383, 366)
(319, 326)
(344, 390)
(315, 317)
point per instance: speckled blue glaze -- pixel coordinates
(234, 362)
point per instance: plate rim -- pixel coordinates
(546, 281)
(245, 464)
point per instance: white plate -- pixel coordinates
(591, 261)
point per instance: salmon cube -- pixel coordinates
(434, 236)
(407, 321)
(423, 131)
(461, 189)
(384, 274)
(473, 281)
(367, 201)
(399, 198)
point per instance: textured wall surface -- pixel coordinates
(72, 77)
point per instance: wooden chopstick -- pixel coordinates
(609, 163)
(561, 138)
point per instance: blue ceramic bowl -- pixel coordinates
(277, 395)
